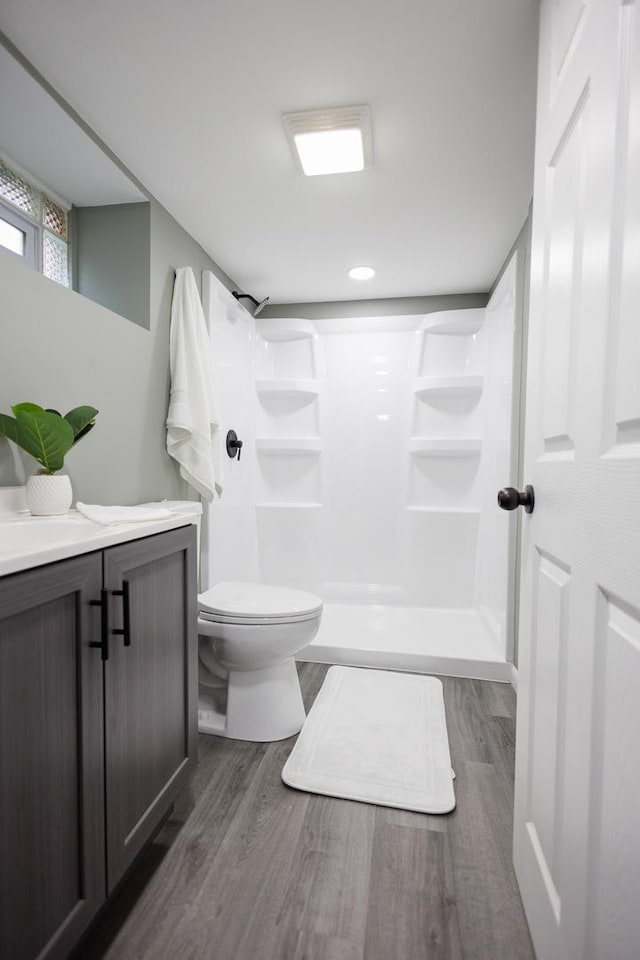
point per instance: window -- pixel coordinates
(19, 235)
(33, 226)
(12, 238)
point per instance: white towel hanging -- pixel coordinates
(193, 423)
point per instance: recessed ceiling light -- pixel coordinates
(361, 273)
(330, 141)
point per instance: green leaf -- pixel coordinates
(83, 433)
(45, 436)
(82, 420)
(8, 427)
(27, 408)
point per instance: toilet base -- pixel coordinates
(262, 705)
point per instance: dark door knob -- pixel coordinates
(234, 446)
(510, 499)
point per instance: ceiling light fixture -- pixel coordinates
(330, 141)
(361, 273)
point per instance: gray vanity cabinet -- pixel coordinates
(92, 750)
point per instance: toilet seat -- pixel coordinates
(255, 603)
(204, 615)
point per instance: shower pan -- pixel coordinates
(373, 451)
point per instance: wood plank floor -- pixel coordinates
(248, 869)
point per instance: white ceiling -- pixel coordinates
(190, 97)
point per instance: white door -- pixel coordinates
(577, 816)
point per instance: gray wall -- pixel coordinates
(111, 247)
(60, 349)
(391, 307)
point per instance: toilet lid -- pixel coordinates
(235, 599)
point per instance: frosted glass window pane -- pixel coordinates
(12, 238)
(55, 259)
(18, 192)
(54, 218)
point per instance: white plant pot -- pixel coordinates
(48, 494)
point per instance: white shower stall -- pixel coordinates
(372, 453)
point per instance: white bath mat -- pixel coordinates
(379, 737)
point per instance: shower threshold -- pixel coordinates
(447, 641)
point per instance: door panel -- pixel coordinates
(622, 390)
(150, 717)
(51, 802)
(615, 886)
(547, 727)
(566, 184)
(567, 17)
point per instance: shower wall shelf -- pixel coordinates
(289, 446)
(457, 323)
(463, 386)
(453, 447)
(287, 388)
(279, 330)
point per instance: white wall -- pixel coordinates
(362, 513)
(496, 539)
(228, 529)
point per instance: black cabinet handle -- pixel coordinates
(510, 499)
(126, 619)
(103, 644)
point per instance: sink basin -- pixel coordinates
(18, 536)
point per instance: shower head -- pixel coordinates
(258, 304)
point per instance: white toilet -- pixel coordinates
(249, 634)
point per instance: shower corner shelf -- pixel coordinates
(289, 387)
(450, 447)
(289, 446)
(463, 386)
(458, 323)
(279, 330)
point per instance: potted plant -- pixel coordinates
(47, 436)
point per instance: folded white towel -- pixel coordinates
(193, 421)
(109, 515)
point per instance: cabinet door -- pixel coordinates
(150, 687)
(52, 877)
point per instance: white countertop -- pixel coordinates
(27, 541)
